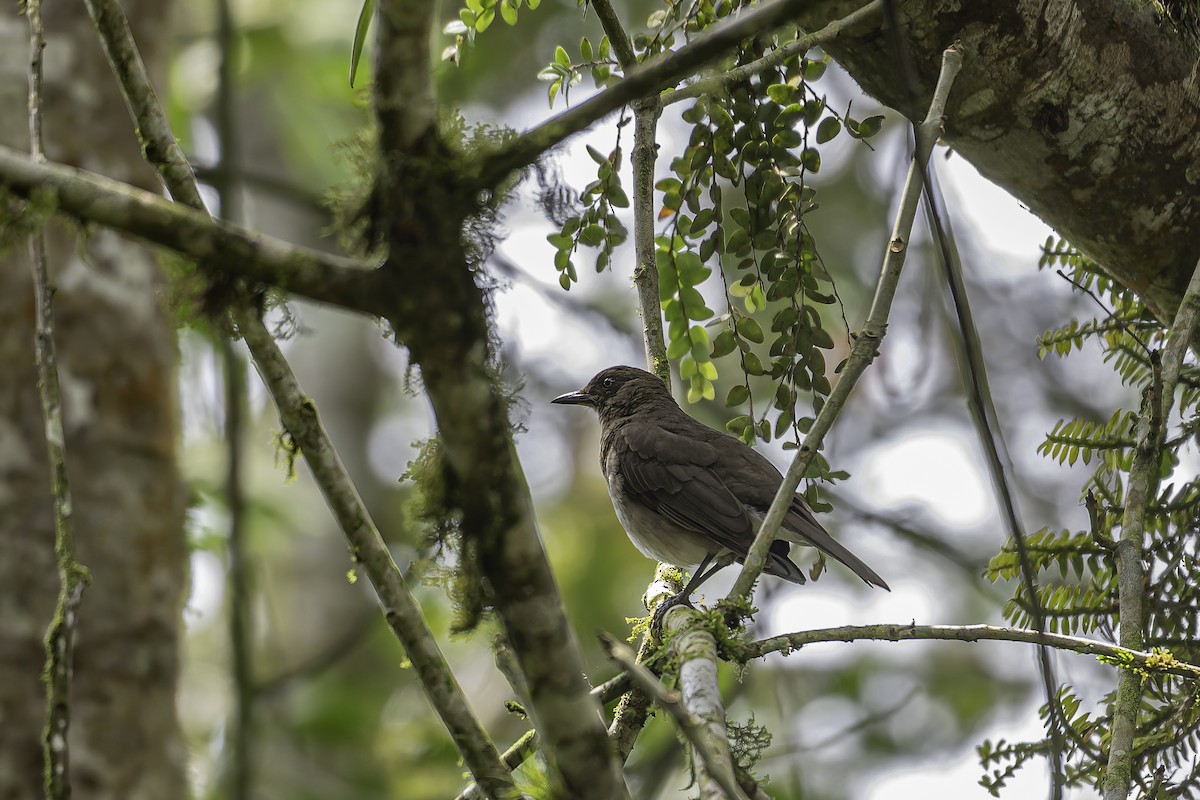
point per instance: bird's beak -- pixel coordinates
(580, 398)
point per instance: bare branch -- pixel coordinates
(1150, 662)
(866, 344)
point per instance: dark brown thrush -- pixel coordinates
(687, 494)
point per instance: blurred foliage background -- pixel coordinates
(335, 712)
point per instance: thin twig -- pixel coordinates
(72, 576)
(718, 764)
(1113, 654)
(1155, 413)
(241, 631)
(400, 608)
(617, 686)
(866, 344)
(241, 619)
(633, 710)
(645, 273)
(986, 421)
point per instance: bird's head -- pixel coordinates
(617, 390)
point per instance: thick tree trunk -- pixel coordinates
(1086, 111)
(117, 365)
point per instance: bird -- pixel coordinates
(690, 495)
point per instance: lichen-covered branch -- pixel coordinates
(867, 340)
(72, 576)
(714, 767)
(1112, 654)
(1144, 473)
(424, 203)
(220, 248)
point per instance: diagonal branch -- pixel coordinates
(644, 81)
(986, 421)
(400, 608)
(866, 343)
(712, 749)
(220, 248)
(719, 84)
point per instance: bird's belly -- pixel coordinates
(658, 537)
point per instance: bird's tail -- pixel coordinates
(800, 527)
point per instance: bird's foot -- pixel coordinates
(660, 612)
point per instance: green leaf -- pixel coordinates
(870, 126)
(508, 11)
(814, 70)
(585, 49)
(485, 19)
(592, 235)
(829, 128)
(678, 347)
(786, 138)
(783, 94)
(737, 395)
(724, 344)
(692, 271)
(738, 424)
(750, 329)
(752, 364)
(700, 342)
(560, 57)
(365, 14)
(738, 241)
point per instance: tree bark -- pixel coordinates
(1084, 110)
(117, 361)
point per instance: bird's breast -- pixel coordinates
(653, 534)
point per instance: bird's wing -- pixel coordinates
(673, 475)
(753, 479)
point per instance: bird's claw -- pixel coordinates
(660, 612)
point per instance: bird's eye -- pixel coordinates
(608, 383)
